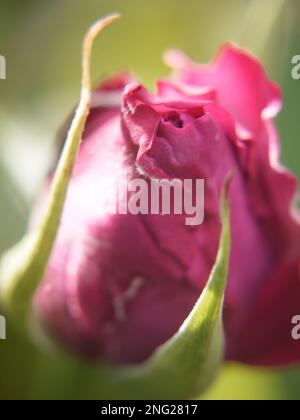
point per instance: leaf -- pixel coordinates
(22, 267)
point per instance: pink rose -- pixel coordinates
(119, 285)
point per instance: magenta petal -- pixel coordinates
(265, 335)
(241, 84)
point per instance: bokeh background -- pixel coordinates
(41, 41)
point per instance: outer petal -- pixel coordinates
(265, 335)
(240, 82)
(272, 191)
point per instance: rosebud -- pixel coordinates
(119, 285)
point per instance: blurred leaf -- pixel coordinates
(259, 24)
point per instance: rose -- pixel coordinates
(117, 286)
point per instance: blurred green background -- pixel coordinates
(41, 41)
